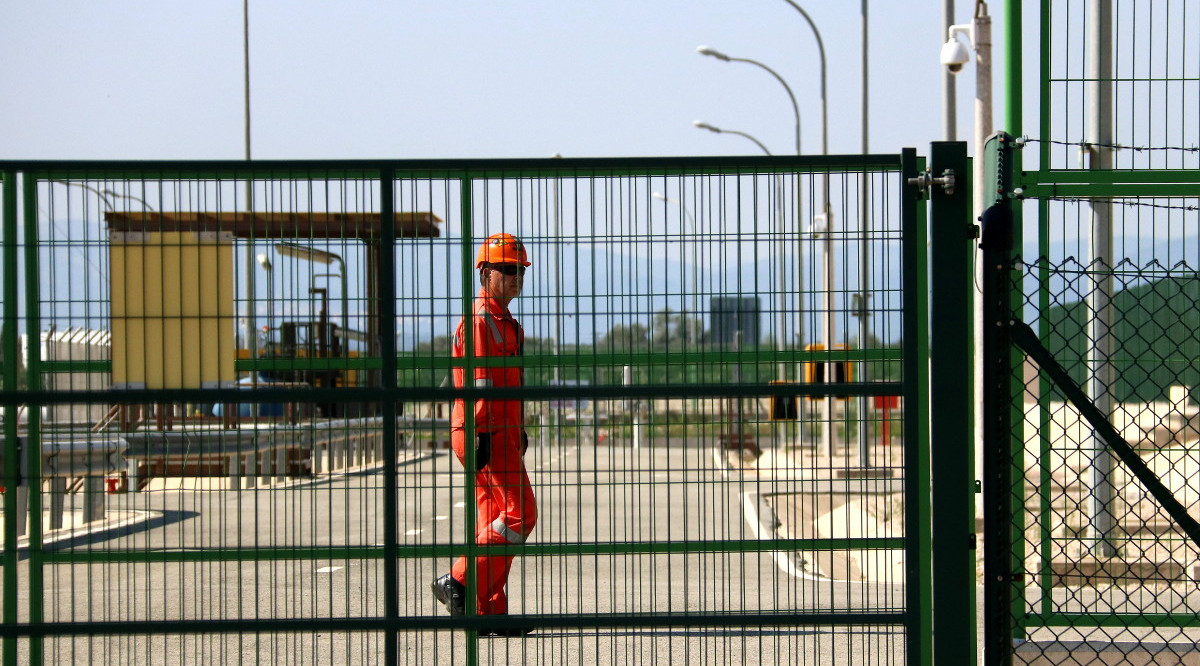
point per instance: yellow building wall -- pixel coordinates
(173, 322)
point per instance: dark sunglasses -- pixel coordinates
(511, 270)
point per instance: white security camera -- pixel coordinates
(954, 54)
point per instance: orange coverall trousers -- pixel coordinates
(506, 514)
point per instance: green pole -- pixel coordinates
(1002, 591)
(387, 326)
(917, 537)
(952, 465)
(8, 334)
(33, 437)
(468, 363)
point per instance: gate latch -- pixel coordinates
(926, 180)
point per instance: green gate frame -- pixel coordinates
(939, 541)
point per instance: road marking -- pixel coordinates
(441, 518)
(327, 569)
(459, 505)
(413, 532)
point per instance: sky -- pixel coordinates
(423, 79)
(369, 79)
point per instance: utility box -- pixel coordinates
(827, 372)
(173, 320)
(784, 407)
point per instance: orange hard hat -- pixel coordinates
(501, 248)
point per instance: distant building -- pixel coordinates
(731, 315)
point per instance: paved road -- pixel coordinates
(667, 494)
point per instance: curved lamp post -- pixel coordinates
(692, 220)
(711, 52)
(298, 251)
(700, 124)
(265, 262)
(821, 51)
(783, 327)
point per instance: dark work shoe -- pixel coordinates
(506, 631)
(450, 592)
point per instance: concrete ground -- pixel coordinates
(682, 497)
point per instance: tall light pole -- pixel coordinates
(265, 262)
(692, 222)
(713, 53)
(251, 334)
(828, 329)
(297, 251)
(864, 268)
(783, 327)
(700, 124)
(821, 52)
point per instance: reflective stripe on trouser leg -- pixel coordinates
(509, 534)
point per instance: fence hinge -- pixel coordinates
(926, 180)
(971, 541)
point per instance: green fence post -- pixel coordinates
(8, 333)
(387, 327)
(952, 518)
(33, 425)
(997, 244)
(468, 363)
(917, 537)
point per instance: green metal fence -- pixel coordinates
(1089, 326)
(226, 410)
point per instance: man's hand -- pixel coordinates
(483, 449)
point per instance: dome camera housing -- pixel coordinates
(954, 55)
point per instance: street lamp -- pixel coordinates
(692, 220)
(130, 197)
(106, 195)
(783, 328)
(265, 262)
(700, 124)
(824, 106)
(827, 325)
(297, 251)
(704, 50)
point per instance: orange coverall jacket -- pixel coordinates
(495, 333)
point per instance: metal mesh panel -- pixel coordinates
(1152, 78)
(238, 377)
(1099, 549)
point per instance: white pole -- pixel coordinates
(949, 119)
(983, 129)
(635, 406)
(1099, 298)
(864, 270)
(251, 324)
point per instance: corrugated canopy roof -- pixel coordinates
(362, 226)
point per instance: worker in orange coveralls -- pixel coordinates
(503, 496)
